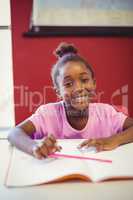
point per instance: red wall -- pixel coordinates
(111, 58)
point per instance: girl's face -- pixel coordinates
(76, 85)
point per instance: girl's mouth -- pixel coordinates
(81, 99)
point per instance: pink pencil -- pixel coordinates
(57, 155)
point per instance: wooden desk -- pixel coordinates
(77, 190)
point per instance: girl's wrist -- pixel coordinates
(119, 139)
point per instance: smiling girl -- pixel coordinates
(74, 116)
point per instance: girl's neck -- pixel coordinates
(73, 113)
(76, 118)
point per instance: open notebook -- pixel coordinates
(24, 170)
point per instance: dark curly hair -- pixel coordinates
(66, 53)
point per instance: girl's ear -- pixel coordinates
(94, 83)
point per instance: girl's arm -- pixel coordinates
(127, 135)
(101, 144)
(20, 137)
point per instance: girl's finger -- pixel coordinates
(52, 138)
(91, 142)
(83, 144)
(58, 148)
(51, 146)
(44, 150)
(99, 147)
(48, 142)
(36, 153)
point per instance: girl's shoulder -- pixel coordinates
(49, 107)
(109, 107)
(102, 109)
(101, 106)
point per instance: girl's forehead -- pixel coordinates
(74, 68)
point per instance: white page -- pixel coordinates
(121, 166)
(26, 170)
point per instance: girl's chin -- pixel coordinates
(80, 107)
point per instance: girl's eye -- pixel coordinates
(85, 80)
(69, 84)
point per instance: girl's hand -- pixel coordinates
(101, 144)
(48, 146)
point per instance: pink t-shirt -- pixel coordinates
(103, 121)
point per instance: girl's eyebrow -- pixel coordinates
(67, 77)
(81, 74)
(84, 73)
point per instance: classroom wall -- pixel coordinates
(111, 58)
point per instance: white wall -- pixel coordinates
(6, 75)
(5, 13)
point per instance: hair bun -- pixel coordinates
(65, 48)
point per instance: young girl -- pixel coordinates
(74, 116)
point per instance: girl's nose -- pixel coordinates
(78, 86)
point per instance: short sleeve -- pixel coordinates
(39, 121)
(117, 119)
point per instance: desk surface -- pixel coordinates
(111, 190)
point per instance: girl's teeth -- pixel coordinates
(79, 99)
